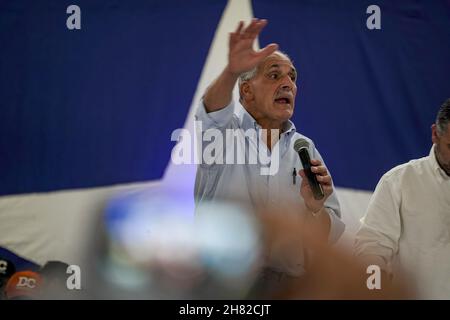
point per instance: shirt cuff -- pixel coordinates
(337, 227)
(215, 119)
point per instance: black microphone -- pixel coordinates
(301, 147)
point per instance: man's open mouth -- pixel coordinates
(283, 100)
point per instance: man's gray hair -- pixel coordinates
(443, 117)
(248, 75)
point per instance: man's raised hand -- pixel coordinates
(242, 57)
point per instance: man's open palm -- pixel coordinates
(242, 57)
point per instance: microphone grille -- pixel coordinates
(300, 143)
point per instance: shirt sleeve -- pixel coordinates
(216, 119)
(333, 208)
(377, 238)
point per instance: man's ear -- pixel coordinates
(246, 91)
(434, 133)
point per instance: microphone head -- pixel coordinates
(23, 285)
(300, 143)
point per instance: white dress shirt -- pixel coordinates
(244, 182)
(407, 226)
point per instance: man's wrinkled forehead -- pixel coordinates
(276, 59)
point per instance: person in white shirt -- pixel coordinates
(406, 228)
(267, 86)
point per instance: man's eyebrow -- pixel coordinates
(277, 66)
(273, 66)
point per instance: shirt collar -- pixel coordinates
(437, 170)
(248, 122)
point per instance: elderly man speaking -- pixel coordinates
(267, 87)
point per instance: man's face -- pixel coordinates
(442, 148)
(272, 91)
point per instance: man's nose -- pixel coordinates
(287, 84)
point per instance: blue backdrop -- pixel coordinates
(96, 106)
(366, 97)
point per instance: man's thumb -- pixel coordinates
(268, 50)
(301, 173)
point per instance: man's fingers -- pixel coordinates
(258, 27)
(233, 38)
(254, 28)
(304, 180)
(316, 162)
(251, 27)
(301, 173)
(267, 51)
(324, 180)
(320, 170)
(239, 27)
(327, 189)
(249, 33)
(322, 176)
